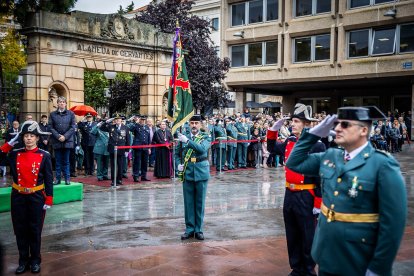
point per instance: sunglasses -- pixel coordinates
(346, 124)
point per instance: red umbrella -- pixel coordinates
(82, 110)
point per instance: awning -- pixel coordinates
(271, 104)
(251, 104)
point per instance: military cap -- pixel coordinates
(88, 115)
(196, 117)
(117, 116)
(143, 117)
(219, 120)
(361, 113)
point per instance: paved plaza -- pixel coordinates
(135, 230)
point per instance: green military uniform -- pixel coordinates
(231, 147)
(220, 135)
(356, 231)
(243, 133)
(101, 153)
(196, 174)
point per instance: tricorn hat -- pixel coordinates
(33, 128)
(117, 116)
(303, 112)
(361, 113)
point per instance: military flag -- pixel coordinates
(180, 101)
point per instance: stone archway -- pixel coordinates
(62, 46)
(56, 90)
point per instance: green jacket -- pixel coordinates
(231, 134)
(243, 131)
(350, 248)
(101, 144)
(195, 171)
(220, 135)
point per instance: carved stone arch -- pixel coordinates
(57, 89)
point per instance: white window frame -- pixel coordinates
(218, 24)
(371, 3)
(246, 14)
(313, 44)
(246, 54)
(245, 60)
(398, 37)
(348, 34)
(314, 8)
(373, 41)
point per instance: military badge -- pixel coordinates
(352, 192)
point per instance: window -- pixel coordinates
(314, 48)
(272, 10)
(383, 42)
(311, 7)
(237, 56)
(358, 43)
(407, 38)
(215, 24)
(271, 52)
(254, 11)
(238, 13)
(254, 54)
(363, 3)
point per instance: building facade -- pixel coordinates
(326, 53)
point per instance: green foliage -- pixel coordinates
(128, 9)
(12, 56)
(24, 7)
(94, 88)
(125, 94)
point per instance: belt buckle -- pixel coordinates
(292, 186)
(330, 215)
(27, 190)
(193, 159)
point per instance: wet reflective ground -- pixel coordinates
(242, 205)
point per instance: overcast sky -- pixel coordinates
(106, 6)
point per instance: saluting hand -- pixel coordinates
(14, 141)
(323, 128)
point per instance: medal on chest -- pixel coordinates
(352, 192)
(34, 168)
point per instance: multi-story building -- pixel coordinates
(326, 53)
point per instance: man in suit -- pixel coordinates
(118, 136)
(141, 134)
(88, 142)
(363, 193)
(194, 171)
(44, 139)
(12, 132)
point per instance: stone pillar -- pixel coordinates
(240, 101)
(412, 112)
(288, 104)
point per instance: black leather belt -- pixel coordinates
(196, 160)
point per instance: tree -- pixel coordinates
(23, 7)
(205, 69)
(125, 94)
(95, 84)
(128, 9)
(12, 56)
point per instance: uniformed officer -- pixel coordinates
(88, 142)
(220, 136)
(364, 196)
(194, 171)
(302, 197)
(141, 134)
(243, 133)
(32, 193)
(118, 136)
(231, 147)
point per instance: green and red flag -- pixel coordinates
(180, 101)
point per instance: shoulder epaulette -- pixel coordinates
(386, 153)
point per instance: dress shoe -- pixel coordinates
(144, 179)
(57, 182)
(22, 269)
(118, 182)
(35, 268)
(199, 236)
(67, 182)
(124, 176)
(136, 179)
(105, 178)
(225, 169)
(187, 236)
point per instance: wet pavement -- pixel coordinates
(136, 229)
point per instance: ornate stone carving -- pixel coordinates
(117, 28)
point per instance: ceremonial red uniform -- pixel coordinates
(32, 189)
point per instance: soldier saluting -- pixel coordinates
(363, 192)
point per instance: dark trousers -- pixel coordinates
(27, 216)
(72, 161)
(89, 160)
(140, 166)
(152, 156)
(300, 228)
(119, 165)
(62, 163)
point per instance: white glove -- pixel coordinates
(14, 141)
(126, 154)
(276, 126)
(109, 120)
(180, 167)
(332, 133)
(182, 138)
(316, 211)
(45, 207)
(99, 124)
(323, 128)
(370, 273)
(77, 148)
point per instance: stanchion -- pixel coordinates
(220, 153)
(115, 167)
(173, 160)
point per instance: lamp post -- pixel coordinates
(110, 75)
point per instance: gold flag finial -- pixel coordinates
(177, 24)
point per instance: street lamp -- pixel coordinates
(110, 75)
